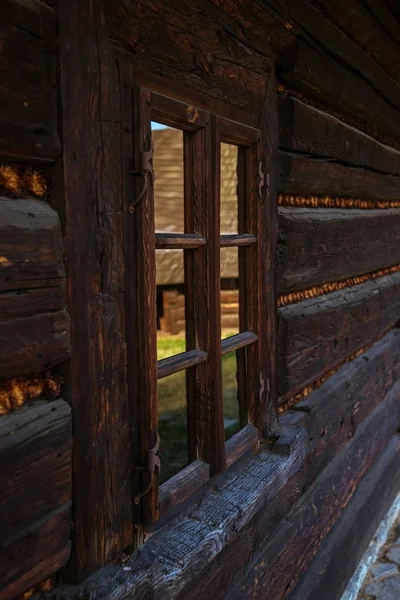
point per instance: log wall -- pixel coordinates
(35, 423)
(309, 74)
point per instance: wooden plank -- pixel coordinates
(305, 129)
(94, 241)
(35, 494)
(317, 246)
(370, 25)
(342, 550)
(36, 450)
(31, 245)
(240, 340)
(241, 443)
(28, 102)
(268, 262)
(31, 302)
(35, 553)
(179, 362)
(318, 334)
(179, 240)
(319, 176)
(239, 77)
(33, 344)
(333, 413)
(233, 240)
(278, 565)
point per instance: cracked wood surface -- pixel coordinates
(316, 335)
(317, 246)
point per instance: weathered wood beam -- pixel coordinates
(316, 335)
(238, 77)
(35, 494)
(317, 246)
(341, 551)
(89, 91)
(305, 175)
(28, 102)
(278, 565)
(31, 245)
(305, 129)
(333, 413)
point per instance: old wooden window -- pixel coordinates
(215, 439)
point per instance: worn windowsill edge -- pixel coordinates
(176, 554)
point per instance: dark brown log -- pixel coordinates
(35, 449)
(322, 245)
(31, 245)
(239, 77)
(94, 243)
(31, 302)
(308, 130)
(366, 23)
(333, 413)
(318, 176)
(33, 344)
(278, 565)
(35, 553)
(28, 103)
(340, 553)
(318, 334)
(35, 494)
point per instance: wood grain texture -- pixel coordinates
(28, 102)
(317, 246)
(341, 551)
(33, 344)
(35, 494)
(187, 547)
(305, 129)
(307, 176)
(316, 335)
(89, 93)
(238, 77)
(278, 565)
(333, 413)
(31, 245)
(267, 256)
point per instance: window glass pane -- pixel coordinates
(170, 303)
(229, 292)
(230, 394)
(172, 425)
(169, 178)
(228, 194)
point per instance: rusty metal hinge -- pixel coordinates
(264, 388)
(153, 463)
(263, 183)
(146, 171)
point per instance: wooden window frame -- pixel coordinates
(203, 134)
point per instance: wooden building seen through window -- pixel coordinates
(194, 391)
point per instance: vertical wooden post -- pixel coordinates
(267, 257)
(90, 119)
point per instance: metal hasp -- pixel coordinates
(262, 184)
(146, 162)
(153, 463)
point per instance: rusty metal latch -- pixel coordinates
(146, 171)
(263, 184)
(153, 463)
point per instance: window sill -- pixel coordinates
(176, 554)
